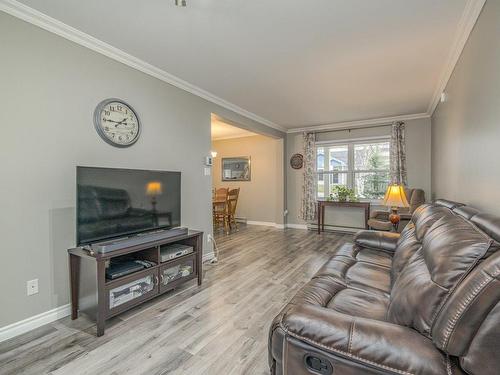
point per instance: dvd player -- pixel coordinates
(140, 239)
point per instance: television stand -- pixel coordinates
(101, 298)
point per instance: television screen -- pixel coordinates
(121, 202)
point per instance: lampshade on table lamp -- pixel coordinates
(395, 197)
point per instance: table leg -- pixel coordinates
(74, 274)
(323, 218)
(367, 217)
(101, 298)
(319, 217)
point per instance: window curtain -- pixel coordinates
(398, 154)
(308, 206)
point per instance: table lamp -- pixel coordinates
(395, 197)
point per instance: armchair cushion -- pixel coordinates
(386, 241)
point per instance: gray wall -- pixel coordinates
(49, 89)
(418, 148)
(465, 129)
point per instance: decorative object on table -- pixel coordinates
(343, 194)
(297, 161)
(398, 154)
(117, 123)
(395, 197)
(379, 218)
(236, 168)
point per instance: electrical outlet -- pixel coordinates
(32, 287)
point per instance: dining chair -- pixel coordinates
(232, 202)
(220, 209)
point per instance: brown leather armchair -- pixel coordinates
(423, 302)
(379, 220)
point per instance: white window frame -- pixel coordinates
(350, 161)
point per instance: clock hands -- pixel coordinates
(118, 122)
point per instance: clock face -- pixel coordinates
(117, 123)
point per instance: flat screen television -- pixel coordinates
(114, 203)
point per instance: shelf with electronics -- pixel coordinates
(104, 285)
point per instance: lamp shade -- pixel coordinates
(154, 188)
(395, 196)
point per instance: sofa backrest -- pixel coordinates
(443, 256)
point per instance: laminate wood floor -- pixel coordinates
(218, 328)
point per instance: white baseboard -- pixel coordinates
(33, 322)
(297, 226)
(266, 224)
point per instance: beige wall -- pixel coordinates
(261, 199)
(418, 148)
(466, 128)
(49, 89)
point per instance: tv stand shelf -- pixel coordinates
(102, 298)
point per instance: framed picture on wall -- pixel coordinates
(236, 169)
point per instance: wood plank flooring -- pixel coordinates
(218, 328)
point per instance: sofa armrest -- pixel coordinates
(359, 343)
(377, 240)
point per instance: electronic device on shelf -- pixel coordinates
(174, 251)
(122, 268)
(139, 239)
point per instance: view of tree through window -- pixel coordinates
(363, 167)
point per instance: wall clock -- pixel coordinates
(296, 161)
(117, 123)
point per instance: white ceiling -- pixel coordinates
(294, 63)
(223, 130)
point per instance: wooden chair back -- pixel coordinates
(221, 194)
(232, 200)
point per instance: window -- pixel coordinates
(362, 166)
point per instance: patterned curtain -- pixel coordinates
(398, 154)
(308, 207)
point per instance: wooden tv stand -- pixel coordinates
(101, 299)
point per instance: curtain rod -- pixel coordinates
(349, 129)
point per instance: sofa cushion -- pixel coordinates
(358, 274)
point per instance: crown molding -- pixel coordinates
(359, 123)
(466, 25)
(234, 137)
(33, 16)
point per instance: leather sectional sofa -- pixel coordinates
(425, 301)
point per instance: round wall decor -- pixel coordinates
(297, 161)
(117, 123)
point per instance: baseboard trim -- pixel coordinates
(29, 324)
(297, 226)
(266, 224)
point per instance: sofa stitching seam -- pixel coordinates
(351, 334)
(310, 341)
(470, 298)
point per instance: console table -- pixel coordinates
(101, 298)
(323, 203)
